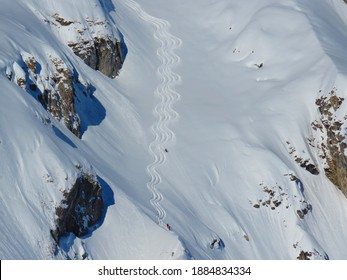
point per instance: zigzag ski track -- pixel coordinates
(163, 111)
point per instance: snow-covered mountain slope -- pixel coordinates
(226, 122)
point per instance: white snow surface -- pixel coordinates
(189, 84)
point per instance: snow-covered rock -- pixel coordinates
(89, 33)
(223, 137)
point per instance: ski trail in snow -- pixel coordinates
(163, 111)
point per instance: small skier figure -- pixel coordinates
(166, 150)
(168, 226)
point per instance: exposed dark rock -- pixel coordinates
(61, 20)
(217, 243)
(300, 214)
(310, 255)
(60, 101)
(102, 50)
(21, 82)
(292, 177)
(80, 209)
(33, 87)
(305, 209)
(325, 104)
(101, 54)
(58, 86)
(304, 255)
(259, 65)
(9, 73)
(273, 198)
(43, 98)
(333, 146)
(30, 62)
(277, 203)
(58, 96)
(310, 167)
(304, 163)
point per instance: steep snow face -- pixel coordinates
(250, 76)
(207, 128)
(41, 159)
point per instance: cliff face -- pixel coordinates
(331, 142)
(80, 209)
(54, 82)
(94, 41)
(54, 87)
(59, 100)
(102, 54)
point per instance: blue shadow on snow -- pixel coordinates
(63, 137)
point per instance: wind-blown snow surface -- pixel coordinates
(189, 84)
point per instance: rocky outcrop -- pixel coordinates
(94, 41)
(305, 163)
(18, 75)
(331, 142)
(80, 209)
(273, 197)
(60, 88)
(304, 255)
(101, 54)
(310, 167)
(311, 254)
(59, 98)
(56, 87)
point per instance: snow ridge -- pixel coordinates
(163, 111)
